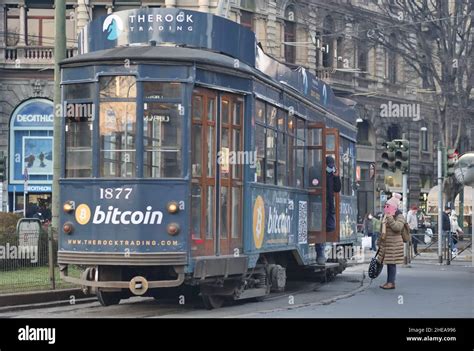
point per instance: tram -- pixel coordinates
(192, 158)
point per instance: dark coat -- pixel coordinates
(446, 221)
(333, 185)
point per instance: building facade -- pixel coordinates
(326, 37)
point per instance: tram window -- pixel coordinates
(236, 205)
(291, 161)
(210, 212)
(260, 146)
(237, 168)
(260, 111)
(282, 172)
(315, 137)
(271, 115)
(291, 124)
(162, 140)
(270, 157)
(225, 111)
(211, 103)
(315, 158)
(117, 139)
(223, 207)
(197, 150)
(196, 192)
(315, 213)
(158, 90)
(118, 87)
(210, 151)
(78, 91)
(224, 154)
(237, 115)
(197, 107)
(281, 120)
(78, 147)
(300, 128)
(299, 163)
(330, 142)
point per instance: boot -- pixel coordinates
(320, 258)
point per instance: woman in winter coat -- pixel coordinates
(391, 241)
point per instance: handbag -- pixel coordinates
(406, 233)
(375, 267)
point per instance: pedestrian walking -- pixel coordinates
(412, 221)
(376, 228)
(456, 232)
(369, 228)
(390, 241)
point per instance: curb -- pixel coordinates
(39, 297)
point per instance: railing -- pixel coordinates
(32, 55)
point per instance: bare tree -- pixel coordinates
(435, 38)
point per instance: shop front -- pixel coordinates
(31, 158)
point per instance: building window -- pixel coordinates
(246, 20)
(363, 129)
(424, 140)
(328, 42)
(13, 27)
(290, 35)
(362, 58)
(393, 132)
(392, 60)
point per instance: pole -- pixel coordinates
(406, 246)
(59, 55)
(51, 258)
(461, 209)
(440, 203)
(14, 199)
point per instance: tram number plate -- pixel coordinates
(115, 193)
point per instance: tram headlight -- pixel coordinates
(172, 207)
(173, 228)
(68, 228)
(68, 206)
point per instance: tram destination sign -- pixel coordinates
(159, 26)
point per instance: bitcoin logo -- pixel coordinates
(258, 222)
(83, 214)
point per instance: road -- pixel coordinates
(425, 290)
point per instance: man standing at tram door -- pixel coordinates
(333, 185)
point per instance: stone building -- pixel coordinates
(323, 36)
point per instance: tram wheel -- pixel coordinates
(108, 298)
(213, 301)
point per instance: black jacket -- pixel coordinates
(333, 185)
(446, 221)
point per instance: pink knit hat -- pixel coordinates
(393, 202)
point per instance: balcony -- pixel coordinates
(30, 57)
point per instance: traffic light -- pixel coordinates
(2, 166)
(402, 155)
(388, 156)
(452, 158)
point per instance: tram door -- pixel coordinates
(316, 183)
(332, 149)
(216, 190)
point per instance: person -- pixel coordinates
(412, 221)
(446, 221)
(390, 241)
(377, 224)
(368, 227)
(456, 231)
(333, 185)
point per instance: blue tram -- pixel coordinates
(193, 158)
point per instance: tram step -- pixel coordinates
(251, 293)
(322, 267)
